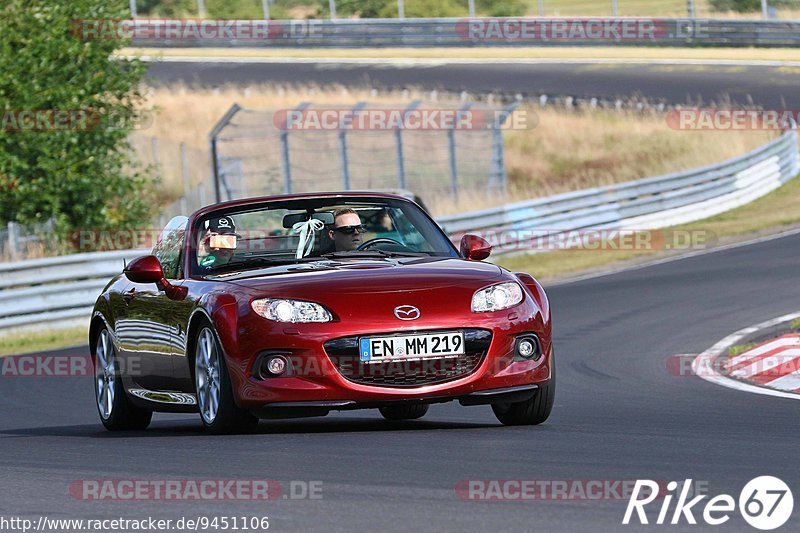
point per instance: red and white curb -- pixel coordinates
(771, 369)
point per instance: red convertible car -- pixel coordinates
(294, 306)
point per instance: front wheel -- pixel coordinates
(116, 412)
(530, 412)
(218, 410)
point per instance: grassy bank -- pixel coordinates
(40, 341)
(778, 211)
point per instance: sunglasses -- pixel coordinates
(349, 230)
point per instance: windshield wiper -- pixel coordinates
(372, 253)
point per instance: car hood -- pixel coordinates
(366, 276)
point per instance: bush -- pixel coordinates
(79, 177)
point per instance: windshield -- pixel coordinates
(285, 232)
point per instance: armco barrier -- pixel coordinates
(56, 290)
(59, 290)
(648, 203)
(451, 32)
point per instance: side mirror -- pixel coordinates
(147, 269)
(475, 248)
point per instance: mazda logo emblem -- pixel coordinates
(406, 312)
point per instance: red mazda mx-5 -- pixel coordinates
(294, 306)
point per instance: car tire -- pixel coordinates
(218, 409)
(404, 412)
(116, 411)
(530, 412)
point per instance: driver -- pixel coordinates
(347, 230)
(214, 252)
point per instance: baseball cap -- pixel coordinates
(222, 225)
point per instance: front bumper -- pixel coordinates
(321, 408)
(318, 386)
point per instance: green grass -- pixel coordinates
(775, 212)
(20, 343)
(737, 349)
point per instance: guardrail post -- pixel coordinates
(265, 8)
(332, 7)
(201, 8)
(765, 9)
(690, 8)
(614, 7)
(401, 9)
(471, 8)
(212, 137)
(13, 240)
(285, 159)
(398, 139)
(541, 8)
(132, 4)
(343, 149)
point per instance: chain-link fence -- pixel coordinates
(439, 153)
(183, 172)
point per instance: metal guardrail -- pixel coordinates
(60, 290)
(648, 203)
(460, 32)
(56, 290)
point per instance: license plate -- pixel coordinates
(435, 345)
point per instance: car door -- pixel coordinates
(154, 321)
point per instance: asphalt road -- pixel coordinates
(767, 86)
(619, 415)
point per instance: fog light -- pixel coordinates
(276, 365)
(528, 347)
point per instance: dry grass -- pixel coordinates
(570, 151)
(567, 150)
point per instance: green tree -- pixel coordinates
(81, 175)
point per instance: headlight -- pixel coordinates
(497, 297)
(291, 310)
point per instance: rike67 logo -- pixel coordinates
(765, 503)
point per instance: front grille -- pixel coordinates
(408, 373)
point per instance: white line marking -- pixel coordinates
(705, 360)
